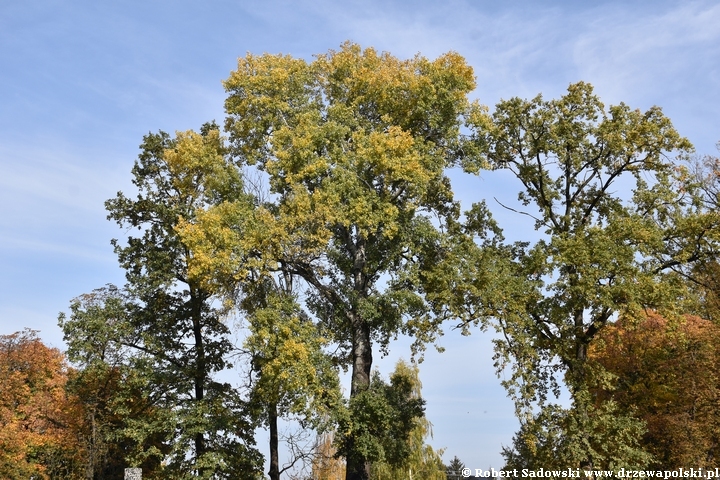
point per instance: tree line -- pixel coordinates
(325, 223)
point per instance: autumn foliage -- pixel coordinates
(327, 224)
(668, 374)
(36, 435)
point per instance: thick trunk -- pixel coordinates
(362, 359)
(274, 442)
(359, 468)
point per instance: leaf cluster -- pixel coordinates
(379, 420)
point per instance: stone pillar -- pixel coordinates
(133, 474)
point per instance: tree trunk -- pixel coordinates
(200, 373)
(359, 468)
(274, 442)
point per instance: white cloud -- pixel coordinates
(646, 53)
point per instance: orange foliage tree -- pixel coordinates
(668, 372)
(36, 439)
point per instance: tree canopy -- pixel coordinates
(36, 438)
(668, 375)
(326, 224)
(354, 145)
(615, 222)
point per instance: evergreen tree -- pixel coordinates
(454, 469)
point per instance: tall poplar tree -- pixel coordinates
(292, 377)
(354, 144)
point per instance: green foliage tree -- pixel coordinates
(600, 254)
(549, 439)
(171, 319)
(453, 470)
(119, 417)
(355, 145)
(421, 460)
(379, 421)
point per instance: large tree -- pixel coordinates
(615, 222)
(354, 145)
(173, 318)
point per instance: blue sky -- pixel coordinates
(82, 81)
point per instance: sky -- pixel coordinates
(82, 81)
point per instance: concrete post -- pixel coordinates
(133, 474)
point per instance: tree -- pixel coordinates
(705, 174)
(421, 461)
(378, 422)
(119, 419)
(668, 375)
(454, 469)
(549, 439)
(292, 376)
(382, 423)
(354, 145)
(177, 327)
(36, 439)
(600, 254)
(326, 465)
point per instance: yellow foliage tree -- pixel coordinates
(355, 146)
(326, 465)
